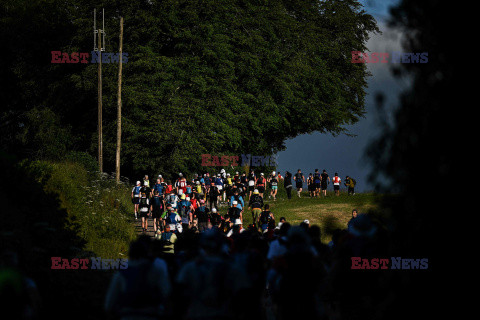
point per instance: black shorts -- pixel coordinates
(317, 185)
(311, 187)
(324, 186)
(336, 188)
(261, 189)
(143, 214)
(299, 185)
(156, 214)
(136, 200)
(251, 188)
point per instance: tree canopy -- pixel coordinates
(211, 76)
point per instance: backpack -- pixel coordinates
(184, 209)
(171, 218)
(353, 181)
(165, 237)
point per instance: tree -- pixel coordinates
(208, 76)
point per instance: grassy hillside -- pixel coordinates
(329, 213)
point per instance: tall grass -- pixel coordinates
(96, 206)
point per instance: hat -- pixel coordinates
(261, 174)
(138, 182)
(306, 221)
(180, 174)
(273, 172)
(197, 182)
(159, 175)
(255, 191)
(214, 210)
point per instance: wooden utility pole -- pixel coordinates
(100, 133)
(101, 35)
(119, 106)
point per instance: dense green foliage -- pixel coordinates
(61, 210)
(202, 77)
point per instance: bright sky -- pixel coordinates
(343, 154)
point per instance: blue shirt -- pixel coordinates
(240, 203)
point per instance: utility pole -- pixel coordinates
(119, 106)
(99, 49)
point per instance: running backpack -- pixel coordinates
(171, 218)
(184, 209)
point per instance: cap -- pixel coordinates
(159, 175)
(255, 191)
(261, 174)
(214, 210)
(273, 172)
(138, 182)
(306, 221)
(180, 174)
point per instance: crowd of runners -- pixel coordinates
(284, 273)
(196, 202)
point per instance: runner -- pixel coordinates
(317, 179)
(213, 194)
(146, 182)
(181, 183)
(157, 207)
(158, 186)
(237, 197)
(260, 184)
(171, 218)
(274, 186)
(172, 199)
(215, 218)
(146, 189)
(299, 180)
(350, 184)
(144, 210)
(336, 184)
(251, 183)
(208, 181)
(265, 218)
(234, 215)
(287, 183)
(136, 198)
(203, 216)
(168, 238)
(219, 185)
(310, 185)
(325, 182)
(255, 204)
(185, 211)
